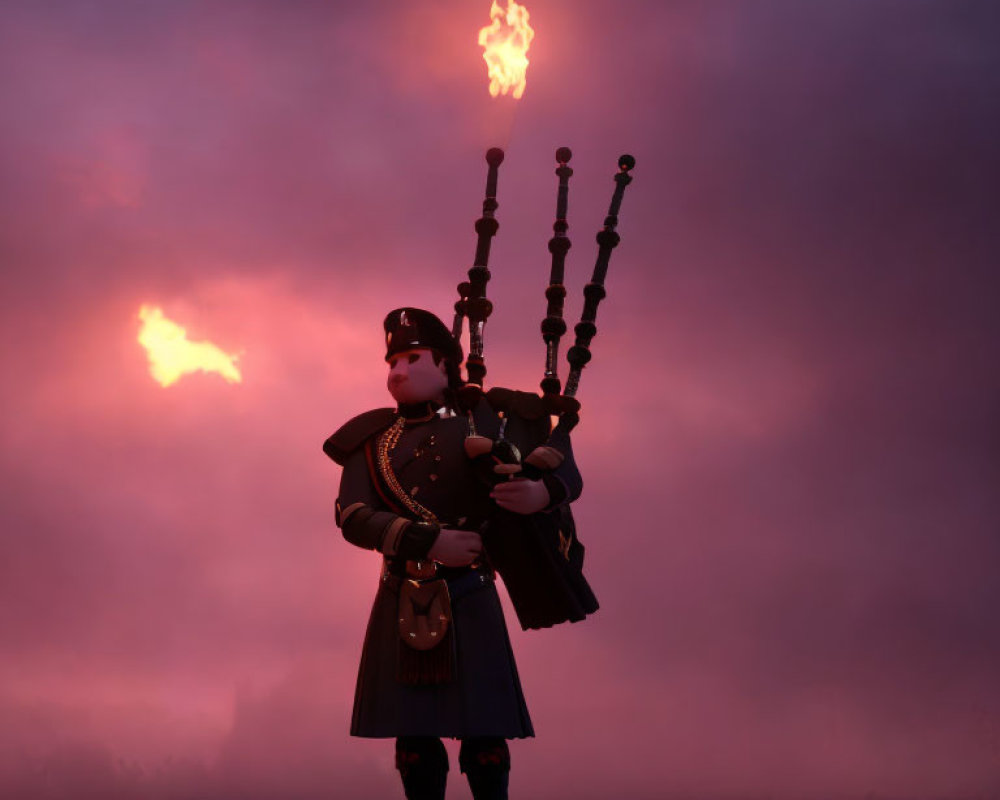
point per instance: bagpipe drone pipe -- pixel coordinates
(539, 556)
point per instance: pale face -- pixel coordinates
(415, 378)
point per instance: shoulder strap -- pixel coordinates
(353, 434)
(380, 488)
(378, 452)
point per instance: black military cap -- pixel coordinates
(409, 328)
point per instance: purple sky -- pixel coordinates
(789, 437)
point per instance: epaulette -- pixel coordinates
(353, 433)
(526, 405)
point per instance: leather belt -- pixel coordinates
(397, 568)
(462, 581)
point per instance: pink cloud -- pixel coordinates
(789, 505)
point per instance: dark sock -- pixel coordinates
(422, 762)
(486, 763)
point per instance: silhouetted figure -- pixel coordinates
(421, 481)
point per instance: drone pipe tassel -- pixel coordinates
(472, 301)
(553, 326)
(607, 240)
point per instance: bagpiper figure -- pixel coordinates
(439, 487)
(437, 660)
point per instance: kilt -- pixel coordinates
(484, 698)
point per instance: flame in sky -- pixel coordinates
(505, 43)
(171, 355)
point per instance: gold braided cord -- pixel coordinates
(385, 444)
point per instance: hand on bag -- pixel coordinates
(522, 496)
(456, 548)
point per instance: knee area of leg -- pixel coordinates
(420, 752)
(486, 754)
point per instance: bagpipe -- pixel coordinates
(539, 555)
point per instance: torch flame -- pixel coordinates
(171, 355)
(505, 44)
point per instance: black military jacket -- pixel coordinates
(537, 555)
